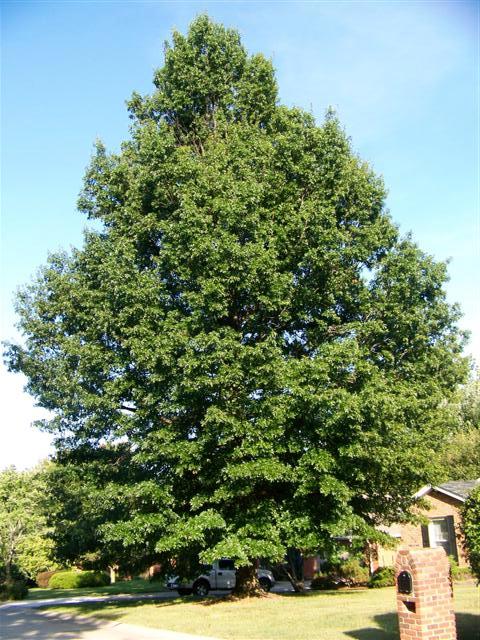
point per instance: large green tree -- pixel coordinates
(247, 320)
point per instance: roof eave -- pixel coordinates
(428, 488)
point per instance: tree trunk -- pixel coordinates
(113, 573)
(298, 585)
(8, 572)
(295, 570)
(370, 552)
(247, 582)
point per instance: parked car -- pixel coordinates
(220, 575)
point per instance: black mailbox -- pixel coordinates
(404, 582)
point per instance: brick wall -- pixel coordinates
(440, 506)
(427, 612)
(410, 536)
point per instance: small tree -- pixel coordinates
(87, 496)
(471, 530)
(25, 546)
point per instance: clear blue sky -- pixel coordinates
(403, 77)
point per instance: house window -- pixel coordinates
(440, 532)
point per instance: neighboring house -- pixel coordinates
(442, 530)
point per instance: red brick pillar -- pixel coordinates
(426, 612)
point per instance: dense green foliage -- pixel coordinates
(460, 457)
(85, 495)
(25, 546)
(459, 573)
(350, 572)
(353, 571)
(246, 357)
(13, 590)
(471, 530)
(382, 577)
(77, 579)
(324, 582)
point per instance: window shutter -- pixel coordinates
(425, 536)
(452, 538)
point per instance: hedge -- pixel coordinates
(43, 578)
(78, 579)
(382, 577)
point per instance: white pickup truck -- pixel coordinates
(220, 575)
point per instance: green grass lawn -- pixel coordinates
(128, 586)
(333, 615)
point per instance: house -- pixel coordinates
(443, 528)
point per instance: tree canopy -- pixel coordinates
(247, 324)
(460, 457)
(87, 494)
(25, 544)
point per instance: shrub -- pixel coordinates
(78, 579)
(322, 581)
(64, 580)
(382, 577)
(13, 590)
(330, 567)
(94, 579)
(43, 578)
(471, 530)
(459, 573)
(352, 573)
(348, 573)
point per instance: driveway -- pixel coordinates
(27, 624)
(19, 620)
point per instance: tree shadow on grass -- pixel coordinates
(107, 609)
(468, 628)
(262, 595)
(468, 625)
(388, 623)
(114, 610)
